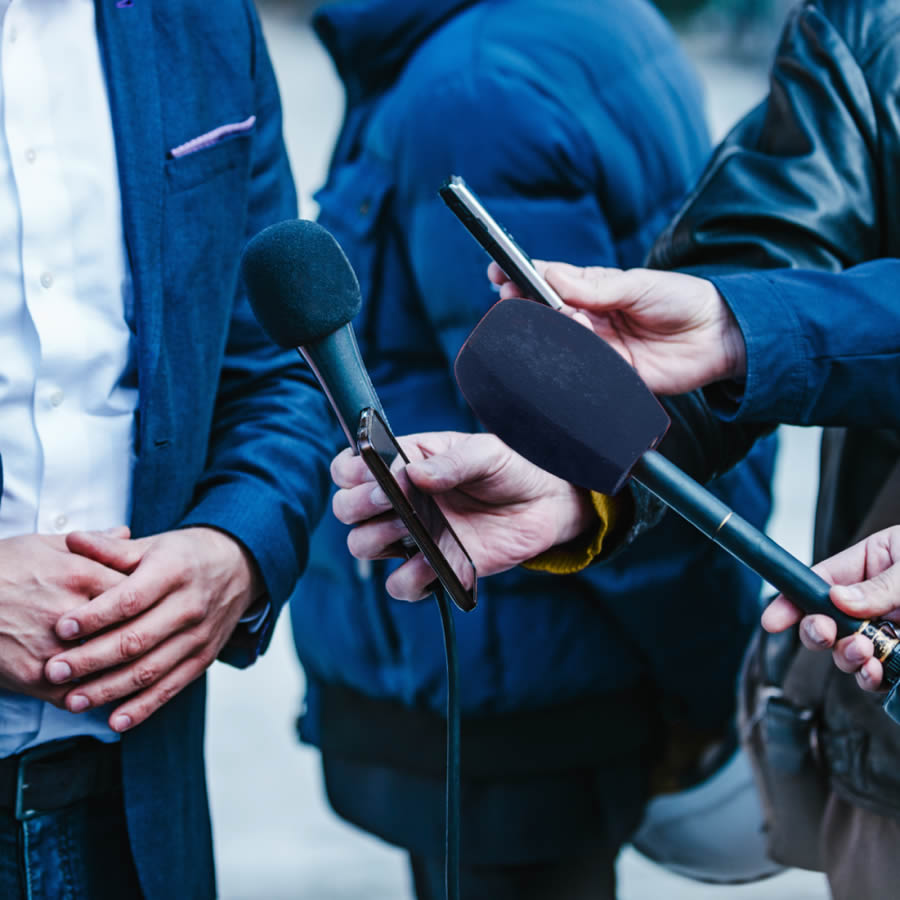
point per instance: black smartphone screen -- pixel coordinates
(423, 518)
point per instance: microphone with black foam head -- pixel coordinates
(304, 293)
(565, 400)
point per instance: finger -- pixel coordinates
(348, 470)
(850, 653)
(376, 539)
(818, 632)
(108, 549)
(509, 291)
(132, 596)
(496, 275)
(870, 675)
(140, 707)
(360, 503)
(90, 578)
(877, 596)
(131, 640)
(139, 675)
(780, 615)
(410, 581)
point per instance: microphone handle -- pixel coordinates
(760, 553)
(336, 362)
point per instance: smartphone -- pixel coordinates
(498, 242)
(423, 518)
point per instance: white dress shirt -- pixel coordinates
(68, 389)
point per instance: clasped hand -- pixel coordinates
(94, 618)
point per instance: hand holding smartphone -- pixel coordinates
(419, 512)
(498, 242)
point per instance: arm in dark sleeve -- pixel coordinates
(266, 476)
(822, 348)
(795, 185)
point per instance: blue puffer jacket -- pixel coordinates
(579, 124)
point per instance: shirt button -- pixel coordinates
(47, 280)
(56, 398)
(31, 154)
(60, 522)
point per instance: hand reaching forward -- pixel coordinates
(867, 586)
(40, 580)
(675, 330)
(504, 509)
(157, 630)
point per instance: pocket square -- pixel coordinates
(202, 141)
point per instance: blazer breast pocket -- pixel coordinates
(208, 156)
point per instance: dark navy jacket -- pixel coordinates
(230, 428)
(580, 126)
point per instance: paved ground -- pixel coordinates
(275, 837)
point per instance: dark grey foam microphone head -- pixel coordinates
(301, 285)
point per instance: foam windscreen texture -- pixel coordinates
(301, 285)
(558, 394)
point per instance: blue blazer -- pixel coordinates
(230, 427)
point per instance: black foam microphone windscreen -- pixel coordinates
(304, 293)
(301, 285)
(551, 406)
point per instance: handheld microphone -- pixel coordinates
(304, 293)
(564, 399)
(289, 268)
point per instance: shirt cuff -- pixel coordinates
(579, 553)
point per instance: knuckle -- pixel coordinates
(106, 693)
(145, 675)
(130, 604)
(131, 644)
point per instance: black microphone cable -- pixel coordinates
(452, 810)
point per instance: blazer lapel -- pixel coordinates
(126, 35)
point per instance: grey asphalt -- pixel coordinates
(275, 837)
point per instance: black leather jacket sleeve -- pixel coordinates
(805, 180)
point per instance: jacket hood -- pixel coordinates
(371, 40)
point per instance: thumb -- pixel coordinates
(877, 596)
(440, 473)
(107, 548)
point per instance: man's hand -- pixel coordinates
(504, 509)
(675, 330)
(867, 585)
(157, 630)
(40, 580)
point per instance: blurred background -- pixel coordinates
(275, 836)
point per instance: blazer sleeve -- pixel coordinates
(266, 476)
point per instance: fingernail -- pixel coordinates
(429, 467)
(855, 654)
(121, 723)
(811, 630)
(379, 497)
(864, 675)
(78, 703)
(67, 629)
(59, 671)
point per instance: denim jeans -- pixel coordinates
(77, 853)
